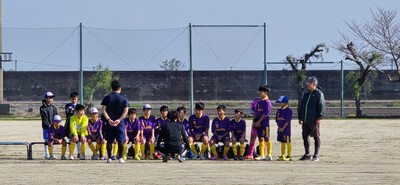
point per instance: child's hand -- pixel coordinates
(281, 129)
(256, 124)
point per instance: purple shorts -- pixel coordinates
(263, 132)
(216, 141)
(200, 139)
(283, 137)
(95, 137)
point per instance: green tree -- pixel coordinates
(172, 65)
(99, 81)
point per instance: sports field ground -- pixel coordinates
(365, 151)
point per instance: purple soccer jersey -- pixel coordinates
(95, 128)
(199, 125)
(263, 108)
(220, 126)
(132, 127)
(238, 127)
(56, 133)
(283, 116)
(159, 123)
(185, 123)
(147, 125)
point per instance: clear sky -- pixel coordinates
(139, 35)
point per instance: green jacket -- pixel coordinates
(312, 107)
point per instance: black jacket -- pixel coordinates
(47, 112)
(172, 133)
(312, 106)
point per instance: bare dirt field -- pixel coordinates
(352, 152)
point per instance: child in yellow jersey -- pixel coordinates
(78, 126)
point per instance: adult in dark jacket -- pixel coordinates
(310, 113)
(47, 113)
(172, 134)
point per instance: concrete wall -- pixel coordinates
(167, 86)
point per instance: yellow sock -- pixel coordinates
(93, 149)
(203, 148)
(289, 149)
(283, 148)
(226, 150)
(241, 149)
(103, 149)
(83, 147)
(115, 149)
(137, 149)
(213, 150)
(97, 148)
(269, 148)
(50, 150)
(71, 148)
(151, 150)
(124, 152)
(261, 148)
(234, 148)
(142, 147)
(193, 149)
(63, 150)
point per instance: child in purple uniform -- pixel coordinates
(95, 134)
(181, 119)
(283, 118)
(56, 135)
(148, 122)
(163, 119)
(238, 129)
(199, 124)
(261, 122)
(220, 128)
(134, 132)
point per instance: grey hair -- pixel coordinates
(312, 79)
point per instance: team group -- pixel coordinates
(144, 131)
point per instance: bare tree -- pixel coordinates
(382, 34)
(299, 65)
(365, 58)
(172, 65)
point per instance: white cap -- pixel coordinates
(93, 110)
(48, 95)
(57, 118)
(146, 106)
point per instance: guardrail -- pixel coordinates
(28, 147)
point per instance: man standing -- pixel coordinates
(115, 108)
(310, 114)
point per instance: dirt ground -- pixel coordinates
(352, 152)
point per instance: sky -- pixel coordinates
(139, 35)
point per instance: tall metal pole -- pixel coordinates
(265, 54)
(80, 65)
(1, 50)
(191, 69)
(341, 88)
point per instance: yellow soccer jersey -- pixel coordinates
(79, 126)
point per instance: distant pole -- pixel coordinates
(265, 54)
(341, 88)
(80, 66)
(15, 67)
(1, 50)
(191, 69)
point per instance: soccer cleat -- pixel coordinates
(305, 157)
(137, 158)
(194, 157)
(241, 158)
(63, 157)
(130, 157)
(102, 158)
(47, 156)
(259, 158)
(166, 158)
(53, 157)
(289, 158)
(225, 157)
(151, 157)
(202, 156)
(109, 160)
(94, 157)
(268, 158)
(235, 158)
(315, 158)
(121, 160)
(248, 157)
(214, 157)
(180, 158)
(82, 157)
(113, 158)
(79, 155)
(70, 157)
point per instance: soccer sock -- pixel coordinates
(213, 150)
(142, 148)
(151, 149)
(251, 148)
(115, 149)
(71, 148)
(226, 149)
(50, 150)
(269, 148)
(98, 146)
(124, 155)
(289, 149)
(203, 148)
(262, 147)
(46, 148)
(241, 150)
(234, 148)
(79, 147)
(193, 149)
(283, 148)
(83, 147)
(63, 150)
(93, 149)
(137, 149)
(103, 149)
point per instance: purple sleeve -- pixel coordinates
(244, 126)
(140, 126)
(289, 115)
(62, 131)
(268, 107)
(89, 128)
(207, 123)
(50, 132)
(213, 126)
(191, 123)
